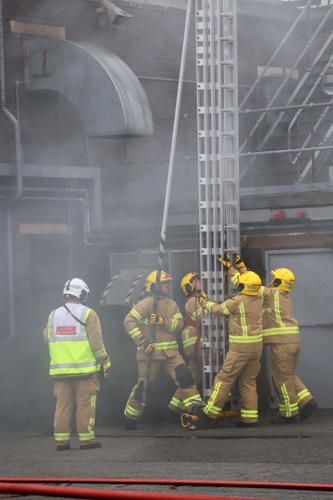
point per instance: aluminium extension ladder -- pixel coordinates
(218, 163)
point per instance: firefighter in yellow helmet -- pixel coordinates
(244, 312)
(191, 334)
(77, 358)
(281, 332)
(153, 324)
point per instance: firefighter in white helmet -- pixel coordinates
(77, 359)
(281, 333)
(153, 324)
(191, 334)
(242, 362)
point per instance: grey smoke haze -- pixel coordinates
(133, 175)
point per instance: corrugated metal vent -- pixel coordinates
(107, 94)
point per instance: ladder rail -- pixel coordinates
(218, 163)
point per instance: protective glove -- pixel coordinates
(105, 369)
(239, 263)
(156, 319)
(148, 347)
(202, 298)
(225, 261)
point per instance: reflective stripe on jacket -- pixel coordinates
(244, 321)
(137, 326)
(69, 348)
(279, 326)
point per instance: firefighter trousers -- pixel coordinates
(302, 393)
(186, 393)
(195, 366)
(80, 393)
(291, 391)
(246, 366)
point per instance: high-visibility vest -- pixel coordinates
(69, 347)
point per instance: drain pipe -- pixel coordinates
(9, 115)
(174, 135)
(19, 180)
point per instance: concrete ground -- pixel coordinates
(295, 453)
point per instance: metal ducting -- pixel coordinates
(107, 94)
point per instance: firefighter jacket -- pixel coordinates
(279, 326)
(164, 338)
(244, 314)
(191, 335)
(76, 345)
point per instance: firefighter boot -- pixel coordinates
(242, 424)
(307, 409)
(91, 446)
(63, 447)
(130, 425)
(284, 420)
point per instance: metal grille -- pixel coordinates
(218, 163)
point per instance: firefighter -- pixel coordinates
(191, 334)
(244, 312)
(77, 356)
(153, 324)
(281, 333)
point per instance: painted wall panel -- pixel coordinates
(312, 307)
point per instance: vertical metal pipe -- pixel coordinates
(10, 116)
(2, 62)
(9, 232)
(174, 134)
(10, 267)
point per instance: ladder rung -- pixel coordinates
(203, 181)
(211, 133)
(204, 157)
(231, 204)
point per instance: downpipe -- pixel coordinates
(19, 180)
(9, 114)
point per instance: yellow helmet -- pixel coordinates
(249, 283)
(186, 283)
(164, 277)
(282, 278)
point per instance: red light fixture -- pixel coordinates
(278, 214)
(300, 213)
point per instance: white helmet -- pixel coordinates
(77, 288)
